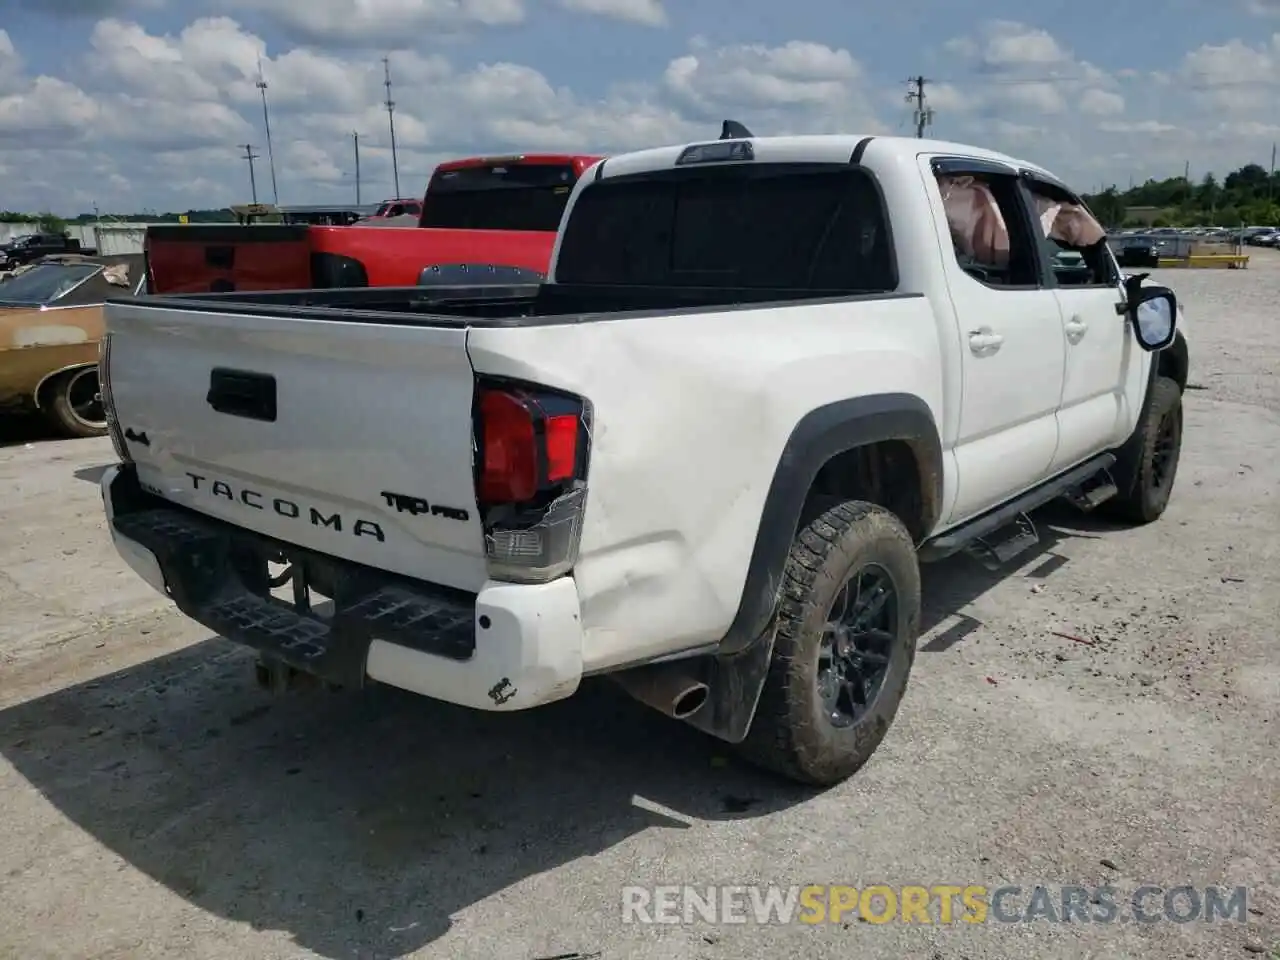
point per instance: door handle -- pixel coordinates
(983, 340)
(1076, 328)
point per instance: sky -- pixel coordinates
(135, 105)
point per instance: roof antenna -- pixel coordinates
(733, 130)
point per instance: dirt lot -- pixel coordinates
(157, 804)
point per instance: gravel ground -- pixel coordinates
(157, 804)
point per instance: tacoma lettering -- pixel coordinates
(282, 507)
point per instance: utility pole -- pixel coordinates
(1271, 180)
(923, 114)
(266, 123)
(251, 156)
(391, 121)
(355, 141)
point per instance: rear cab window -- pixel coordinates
(814, 229)
(515, 196)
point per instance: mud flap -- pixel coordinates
(735, 684)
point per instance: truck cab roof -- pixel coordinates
(821, 148)
(579, 161)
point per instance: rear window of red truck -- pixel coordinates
(519, 196)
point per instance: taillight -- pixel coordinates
(108, 399)
(532, 451)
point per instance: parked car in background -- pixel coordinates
(324, 215)
(30, 247)
(1138, 251)
(50, 326)
(1253, 235)
(401, 207)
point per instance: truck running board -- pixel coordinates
(1015, 537)
(989, 537)
(1097, 490)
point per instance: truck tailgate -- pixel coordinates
(350, 438)
(201, 258)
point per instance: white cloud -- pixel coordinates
(1033, 94)
(1235, 77)
(395, 24)
(946, 98)
(1046, 98)
(1101, 103)
(48, 110)
(1006, 44)
(10, 65)
(151, 119)
(648, 13)
(798, 87)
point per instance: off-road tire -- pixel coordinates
(63, 415)
(790, 734)
(1141, 499)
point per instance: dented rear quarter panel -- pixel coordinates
(36, 342)
(691, 415)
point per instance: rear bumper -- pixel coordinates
(509, 647)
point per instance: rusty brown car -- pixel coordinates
(50, 327)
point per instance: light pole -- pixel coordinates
(253, 180)
(391, 121)
(355, 141)
(266, 126)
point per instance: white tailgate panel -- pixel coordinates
(362, 409)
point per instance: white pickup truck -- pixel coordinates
(765, 379)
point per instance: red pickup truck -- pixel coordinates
(479, 213)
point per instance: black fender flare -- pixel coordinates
(820, 435)
(1179, 358)
(1123, 473)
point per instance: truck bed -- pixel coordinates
(497, 305)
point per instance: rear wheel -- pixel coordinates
(75, 403)
(845, 643)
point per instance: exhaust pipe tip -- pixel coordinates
(690, 702)
(671, 689)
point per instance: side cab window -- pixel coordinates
(1074, 242)
(990, 231)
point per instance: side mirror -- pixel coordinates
(1154, 314)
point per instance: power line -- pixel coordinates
(989, 80)
(250, 156)
(923, 114)
(266, 123)
(391, 122)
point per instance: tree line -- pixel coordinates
(1248, 195)
(47, 222)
